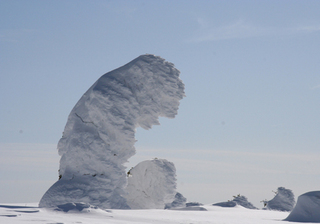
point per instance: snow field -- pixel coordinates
(213, 215)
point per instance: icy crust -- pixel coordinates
(307, 208)
(151, 184)
(283, 201)
(99, 135)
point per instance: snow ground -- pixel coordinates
(31, 213)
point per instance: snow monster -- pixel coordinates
(99, 136)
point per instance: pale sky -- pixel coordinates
(250, 122)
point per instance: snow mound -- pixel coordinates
(99, 135)
(151, 184)
(307, 208)
(237, 200)
(179, 201)
(283, 201)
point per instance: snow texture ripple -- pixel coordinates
(99, 135)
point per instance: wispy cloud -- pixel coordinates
(315, 87)
(241, 29)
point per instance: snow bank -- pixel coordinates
(99, 135)
(307, 208)
(283, 201)
(237, 200)
(151, 184)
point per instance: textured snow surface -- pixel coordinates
(307, 208)
(99, 135)
(151, 184)
(18, 214)
(283, 201)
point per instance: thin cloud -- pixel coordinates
(241, 29)
(315, 87)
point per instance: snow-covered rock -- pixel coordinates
(99, 135)
(307, 208)
(151, 184)
(282, 201)
(179, 201)
(237, 200)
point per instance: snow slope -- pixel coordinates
(18, 214)
(307, 208)
(99, 135)
(151, 184)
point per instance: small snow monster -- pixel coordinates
(282, 201)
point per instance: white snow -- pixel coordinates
(18, 214)
(99, 135)
(307, 208)
(151, 184)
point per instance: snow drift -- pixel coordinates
(307, 208)
(151, 184)
(282, 201)
(99, 135)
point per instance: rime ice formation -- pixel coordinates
(307, 208)
(283, 201)
(178, 202)
(151, 184)
(99, 135)
(237, 200)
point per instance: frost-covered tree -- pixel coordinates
(237, 200)
(99, 135)
(179, 201)
(151, 184)
(282, 201)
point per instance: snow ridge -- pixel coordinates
(99, 135)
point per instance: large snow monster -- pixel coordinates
(99, 135)
(307, 208)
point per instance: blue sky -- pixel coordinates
(249, 124)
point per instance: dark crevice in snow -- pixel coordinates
(87, 122)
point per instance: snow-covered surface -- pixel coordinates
(151, 184)
(18, 214)
(99, 135)
(282, 201)
(307, 208)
